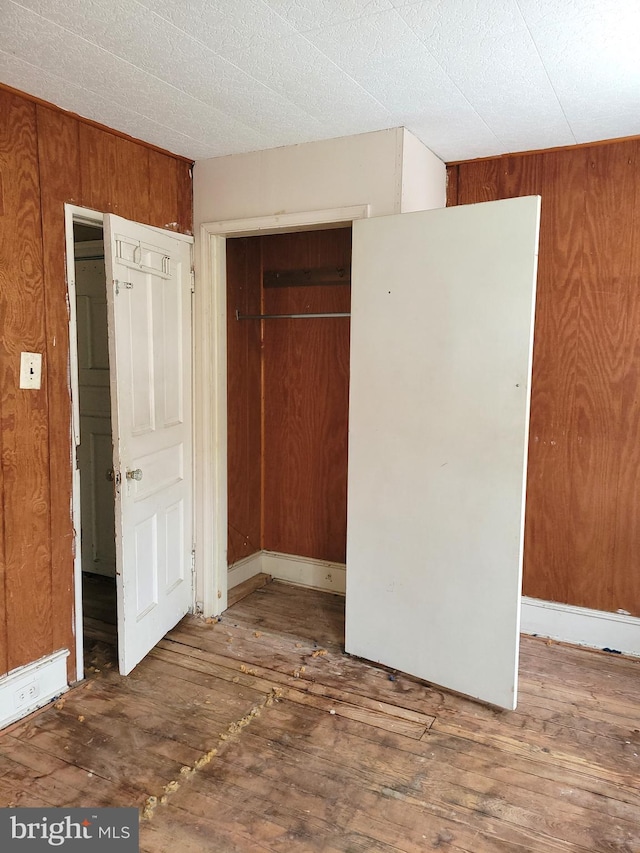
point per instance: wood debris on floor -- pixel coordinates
(278, 741)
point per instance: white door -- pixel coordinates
(149, 312)
(441, 340)
(95, 452)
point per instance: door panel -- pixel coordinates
(441, 339)
(149, 305)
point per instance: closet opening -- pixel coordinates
(288, 330)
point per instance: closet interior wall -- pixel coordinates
(288, 388)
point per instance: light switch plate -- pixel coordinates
(30, 370)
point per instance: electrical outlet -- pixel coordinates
(30, 370)
(31, 686)
(27, 694)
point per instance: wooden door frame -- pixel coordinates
(73, 213)
(210, 384)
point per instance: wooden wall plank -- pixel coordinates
(306, 391)
(479, 181)
(116, 174)
(4, 656)
(58, 142)
(98, 168)
(625, 580)
(163, 191)
(47, 158)
(520, 176)
(244, 444)
(609, 339)
(581, 533)
(607, 240)
(185, 197)
(25, 434)
(452, 185)
(549, 560)
(130, 195)
(170, 192)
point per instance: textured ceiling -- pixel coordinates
(202, 78)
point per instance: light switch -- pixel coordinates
(30, 369)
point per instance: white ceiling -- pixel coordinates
(203, 78)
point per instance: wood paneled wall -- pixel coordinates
(47, 158)
(306, 401)
(582, 531)
(302, 399)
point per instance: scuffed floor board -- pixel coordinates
(257, 733)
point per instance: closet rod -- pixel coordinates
(240, 316)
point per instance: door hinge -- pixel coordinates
(193, 280)
(193, 561)
(128, 285)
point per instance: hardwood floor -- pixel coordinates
(257, 733)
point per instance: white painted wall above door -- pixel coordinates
(389, 170)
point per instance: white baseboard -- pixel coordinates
(304, 571)
(30, 687)
(596, 629)
(577, 625)
(244, 569)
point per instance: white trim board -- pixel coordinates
(30, 687)
(286, 222)
(303, 571)
(580, 626)
(244, 569)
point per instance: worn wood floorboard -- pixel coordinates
(257, 733)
